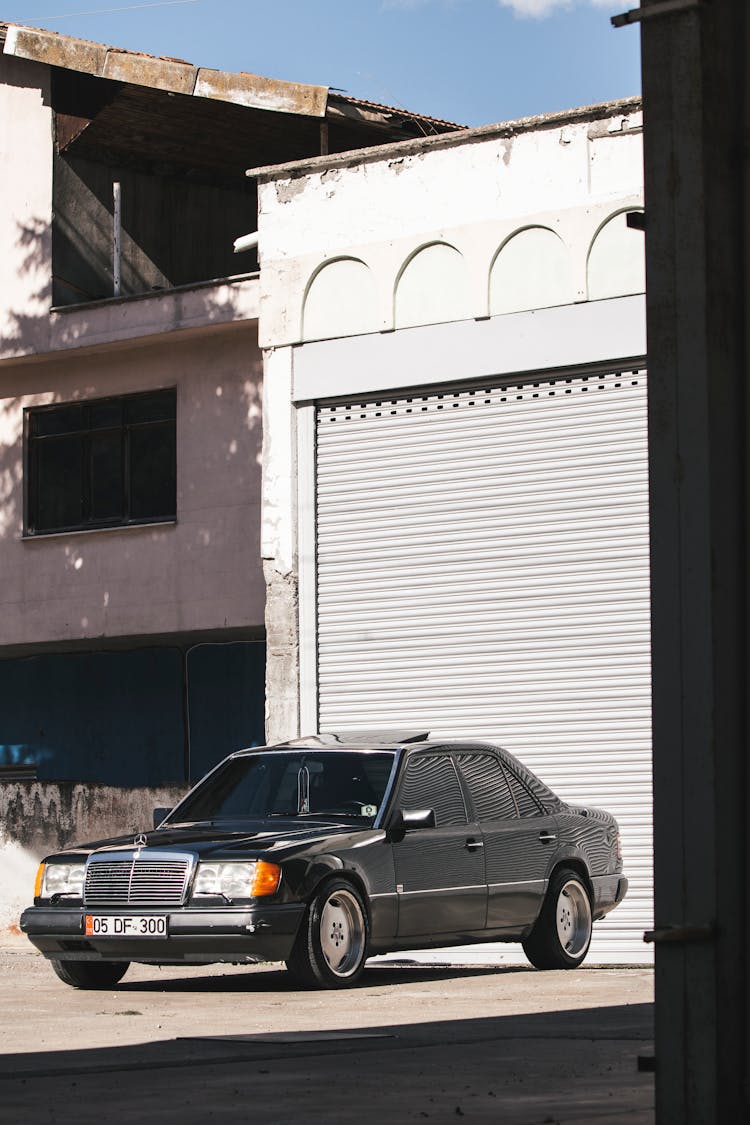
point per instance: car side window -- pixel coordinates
(525, 799)
(488, 786)
(431, 782)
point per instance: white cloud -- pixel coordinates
(534, 9)
(538, 9)
(526, 9)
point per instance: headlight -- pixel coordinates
(237, 880)
(60, 879)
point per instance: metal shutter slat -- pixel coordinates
(482, 571)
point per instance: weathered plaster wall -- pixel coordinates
(481, 227)
(25, 199)
(37, 818)
(201, 573)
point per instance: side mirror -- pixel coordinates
(417, 818)
(159, 815)
(407, 820)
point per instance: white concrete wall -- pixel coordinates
(494, 223)
(25, 201)
(483, 226)
(201, 573)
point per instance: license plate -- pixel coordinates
(126, 925)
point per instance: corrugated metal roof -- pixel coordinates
(437, 124)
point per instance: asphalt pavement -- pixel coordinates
(409, 1043)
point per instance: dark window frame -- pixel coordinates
(129, 427)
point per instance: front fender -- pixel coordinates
(316, 872)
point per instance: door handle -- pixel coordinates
(547, 837)
(473, 845)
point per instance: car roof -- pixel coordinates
(413, 742)
(356, 740)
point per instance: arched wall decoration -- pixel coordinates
(432, 287)
(340, 300)
(531, 270)
(616, 263)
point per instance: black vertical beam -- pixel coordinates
(694, 78)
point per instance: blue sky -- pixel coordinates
(470, 61)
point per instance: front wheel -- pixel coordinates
(91, 974)
(561, 935)
(331, 947)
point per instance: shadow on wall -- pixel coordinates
(23, 331)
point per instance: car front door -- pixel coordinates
(440, 877)
(519, 841)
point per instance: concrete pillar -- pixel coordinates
(279, 547)
(694, 77)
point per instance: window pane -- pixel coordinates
(527, 804)
(106, 475)
(159, 407)
(487, 786)
(153, 473)
(89, 467)
(59, 420)
(59, 482)
(431, 783)
(105, 414)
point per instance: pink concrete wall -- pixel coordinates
(203, 572)
(25, 202)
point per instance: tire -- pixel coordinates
(331, 946)
(561, 935)
(91, 974)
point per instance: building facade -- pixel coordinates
(455, 510)
(132, 634)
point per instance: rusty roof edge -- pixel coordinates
(295, 169)
(170, 75)
(180, 77)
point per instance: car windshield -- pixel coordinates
(335, 783)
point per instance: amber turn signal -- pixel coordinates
(38, 881)
(266, 878)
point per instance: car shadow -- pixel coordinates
(279, 980)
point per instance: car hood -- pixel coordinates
(237, 836)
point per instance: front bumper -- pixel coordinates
(198, 936)
(609, 890)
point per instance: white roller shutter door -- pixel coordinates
(483, 572)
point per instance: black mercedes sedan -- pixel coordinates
(323, 851)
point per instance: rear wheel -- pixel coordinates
(331, 947)
(91, 974)
(561, 935)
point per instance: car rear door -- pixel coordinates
(440, 876)
(520, 840)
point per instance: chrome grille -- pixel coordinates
(136, 882)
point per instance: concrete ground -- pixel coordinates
(409, 1043)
